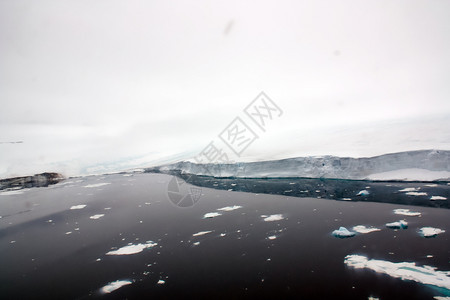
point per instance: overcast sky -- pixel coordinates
(92, 86)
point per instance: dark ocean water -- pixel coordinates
(49, 251)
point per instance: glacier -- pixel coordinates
(421, 165)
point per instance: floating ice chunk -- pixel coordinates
(347, 199)
(429, 232)
(272, 237)
(201, 233)
(416, 193)
(272, 218)
(132, 249)
(403, 270)
(363, 229)
(81, 206)
(406, 212)
(96, 185)
(112, 286)
(398, 225)
(95, 217)
(223, 234)
(431, 185)
(441, 298)
(196, 243)
(69, 232)
(343, 232)
(409, 189)
(160, 281)
(211, 215)
(438, 198)
(230, 208)
(363, 193)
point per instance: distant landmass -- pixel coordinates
(422, 165)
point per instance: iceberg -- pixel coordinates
(403, 270)
(406, 212)
(211, 215)
(398, 225)
(112, 286)
(132, 249)
(343, 232)
(363, 193)
(363, 229)
(429, 232)
(230, 208)
(272, 218)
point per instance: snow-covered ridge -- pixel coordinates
(423, 165)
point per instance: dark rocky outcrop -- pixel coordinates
(38, 180)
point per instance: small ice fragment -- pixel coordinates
(272, 237)
(196, 243)
(223, 234)
(81, 206)
(347, 199)
(431, 185)
(438, 198)
(272, 218)
(363, 193)
(76, 229)
(160, 281)
(429, 256)
(409, 189)
(363, 229)
(49, 221)
(112, 286)
(428, 232)
(416, 193)
(201, 233)
(343, 232)
(12, 242)
(398, 225)
(406, 212)
(233, 184)
(69, 232)
(96, 185)
(98, 259)
(107, 208)
(211, 215)
(132, 249)
(95, 217)
(230, 208)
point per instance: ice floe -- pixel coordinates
(13, 192)
(343, 232)
(438, 198)
(412, 189)
(403, 270)
(397, 225)
(211, 215)
(416, 193)
(95, 217)
(112, 286)
(132, 249)
(96, 185)
(81, 206)
(363, 193)
(201, 233)
(230, 208)
(363, 229)
(272, 218)
(429, 232)
(406, 212)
